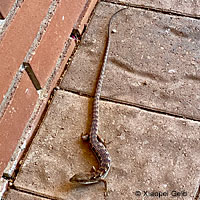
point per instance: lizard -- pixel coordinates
(97, 145)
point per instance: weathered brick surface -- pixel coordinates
(5, 6)
(83, 18)
(15, 119)
(57, 33)
(46, 57)
(18, 38)
(27, 134)
(60, 65)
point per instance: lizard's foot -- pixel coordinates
(106, 187)
(85, 137)
(93, 169)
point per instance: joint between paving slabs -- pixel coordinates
(154, 9)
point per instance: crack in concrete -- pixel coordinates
(154, 9)
(32, 193)
(142, 107)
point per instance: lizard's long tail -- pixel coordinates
(95, 113)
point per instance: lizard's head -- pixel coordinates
(83, 178)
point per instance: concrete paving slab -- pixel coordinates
(153, 62)
(17, 195)
(185, 7)
(150, 152)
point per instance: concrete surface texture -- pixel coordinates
(153, 60)
(178, 6)
(149, 151)
(20, 195)
(149, 113)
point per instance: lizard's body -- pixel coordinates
(96, 144)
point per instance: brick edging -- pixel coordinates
(21, 112)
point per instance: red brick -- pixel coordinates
(57, 33)
(15, 118)
(61, 32)
(5, 6)
(84, 16)
(71, 46)
(18, 38)
(41, 104)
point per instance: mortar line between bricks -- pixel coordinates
(10, 16)
(131, 105)
(25, 141)
(154, 9)
(44, 24)
(11, 90)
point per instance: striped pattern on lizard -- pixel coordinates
(96, 143)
